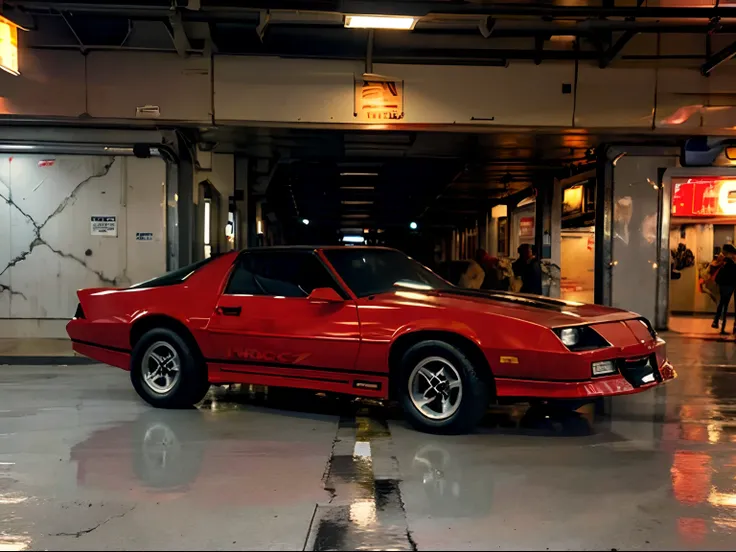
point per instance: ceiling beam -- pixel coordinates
(178, 34)
(616, 48)
(718, 58)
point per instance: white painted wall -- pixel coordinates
(47, 251)
(627, 95)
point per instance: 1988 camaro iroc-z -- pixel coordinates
(364, 321)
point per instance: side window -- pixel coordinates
(282, 274)
(242, 281)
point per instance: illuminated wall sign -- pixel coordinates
(379, 101)
(526, 227)
(572, 201)
(704, 197)
(8, 46)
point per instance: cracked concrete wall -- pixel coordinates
(47, 251)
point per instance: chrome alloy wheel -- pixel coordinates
(435, 388)
(161, 367)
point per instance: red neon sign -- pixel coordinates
(707, 196)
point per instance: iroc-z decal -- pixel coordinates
(253, 355)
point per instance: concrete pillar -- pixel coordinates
(492, 236)
(252, 217)
(246, 203)
(242, 196)
(630, 204)
(220, 178)
(483, 232)
(555, 234)
(172, 217)
(548, 214)
(180, 220)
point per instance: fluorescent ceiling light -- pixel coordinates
(358, 174)
(14, 147)
(393, 22)
(355, 202)
(357, 187)
(563, 38)
(353, 239)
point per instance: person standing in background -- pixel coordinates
(726, 280)
(529, 269)
(473, 276)
(490, 267)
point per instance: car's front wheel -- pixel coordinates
(441, 391)
(165, 371)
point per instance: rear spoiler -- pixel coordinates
(84, 296)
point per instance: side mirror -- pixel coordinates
(325, 295)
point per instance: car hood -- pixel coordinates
(537, 309)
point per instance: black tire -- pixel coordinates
(191, 385)
(475, 393)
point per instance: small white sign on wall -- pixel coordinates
(104, 226)
(144, 236)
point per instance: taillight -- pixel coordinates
(80, 312)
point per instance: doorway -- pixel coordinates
(577, 238)
(701, 204)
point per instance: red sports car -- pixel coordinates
(363, 321)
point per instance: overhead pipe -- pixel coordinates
(528, 27)
(233, 10)
(416, 9)
(487, 27)
(509, 9)
(369, 54)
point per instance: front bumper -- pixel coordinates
(638, 370)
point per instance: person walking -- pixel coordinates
(529, 269)
(726, 280)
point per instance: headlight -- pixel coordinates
(570, 336)
(581, 338)
(604, 367)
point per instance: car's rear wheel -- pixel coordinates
(166, 372)
(441, 391)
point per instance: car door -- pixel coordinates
(264, 316)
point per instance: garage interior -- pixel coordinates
(506, 105)
(401, 189)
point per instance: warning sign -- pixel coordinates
(104, 226)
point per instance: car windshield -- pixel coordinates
(372, 271)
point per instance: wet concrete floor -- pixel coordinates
(84, 464)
